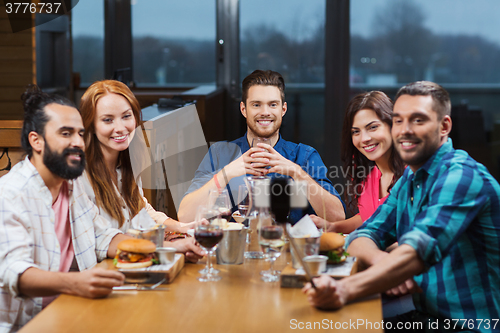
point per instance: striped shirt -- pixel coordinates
(28, 238)
(449, 212)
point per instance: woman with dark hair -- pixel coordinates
(371, 163)
(110, 114)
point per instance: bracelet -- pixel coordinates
(217, 182)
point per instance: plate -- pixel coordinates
(154, 273)
(142, 277)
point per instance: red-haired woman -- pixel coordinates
(110, 115)
(371, 163)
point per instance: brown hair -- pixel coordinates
(262, 78)
(99, 175)
(356, 164)
(441, 103)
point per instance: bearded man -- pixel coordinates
(444, 212)
(51, 233)
(263, 105)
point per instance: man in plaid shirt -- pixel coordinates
(51, 235)
(444, 212)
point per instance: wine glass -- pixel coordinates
(271, 242)
(203, 214)
(208, 236)
(219, 200)
(243, 200)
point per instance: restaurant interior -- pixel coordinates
(197, 52)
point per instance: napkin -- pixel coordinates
(304, 228)
(142, 220)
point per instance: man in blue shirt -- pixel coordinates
(444, 212)
(263, 105)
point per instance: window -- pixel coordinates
(287, 36)
(88, 40)
(452, 42)
(173, 42)
(448, 41)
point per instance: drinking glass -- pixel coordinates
(265, 256)
(243, 200)
(271, 242)
(220, 207)
(253, 216)
(208, 236)
(204, 213)
(255, 141)
(219, 200)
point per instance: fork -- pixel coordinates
(141, 287)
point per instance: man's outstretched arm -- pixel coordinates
(398, 266)
(325, 204)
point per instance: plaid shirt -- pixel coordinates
(28, 238)
(130, 222)
(449, 212)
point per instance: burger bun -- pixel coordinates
(137, 245)
(331, 241)
(133, 265)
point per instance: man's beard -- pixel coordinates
(263, 132)
(424, 152)
(58, 165)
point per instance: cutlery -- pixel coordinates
(141, 287)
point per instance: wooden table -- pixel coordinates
(240, 302)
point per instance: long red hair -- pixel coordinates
(100, 177)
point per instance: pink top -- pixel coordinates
(63, 233)
(369, 201)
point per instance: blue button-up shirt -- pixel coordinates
(221, 154)
(449, 212)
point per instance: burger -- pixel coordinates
(135, 253)
(331, 244)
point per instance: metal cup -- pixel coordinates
(166, 255)
(156, 235)
(231, 249)
(316, 264)
(307, 246)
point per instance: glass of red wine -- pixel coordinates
(271, 242)
(204, 215)
(208, 236)
(219, 200)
